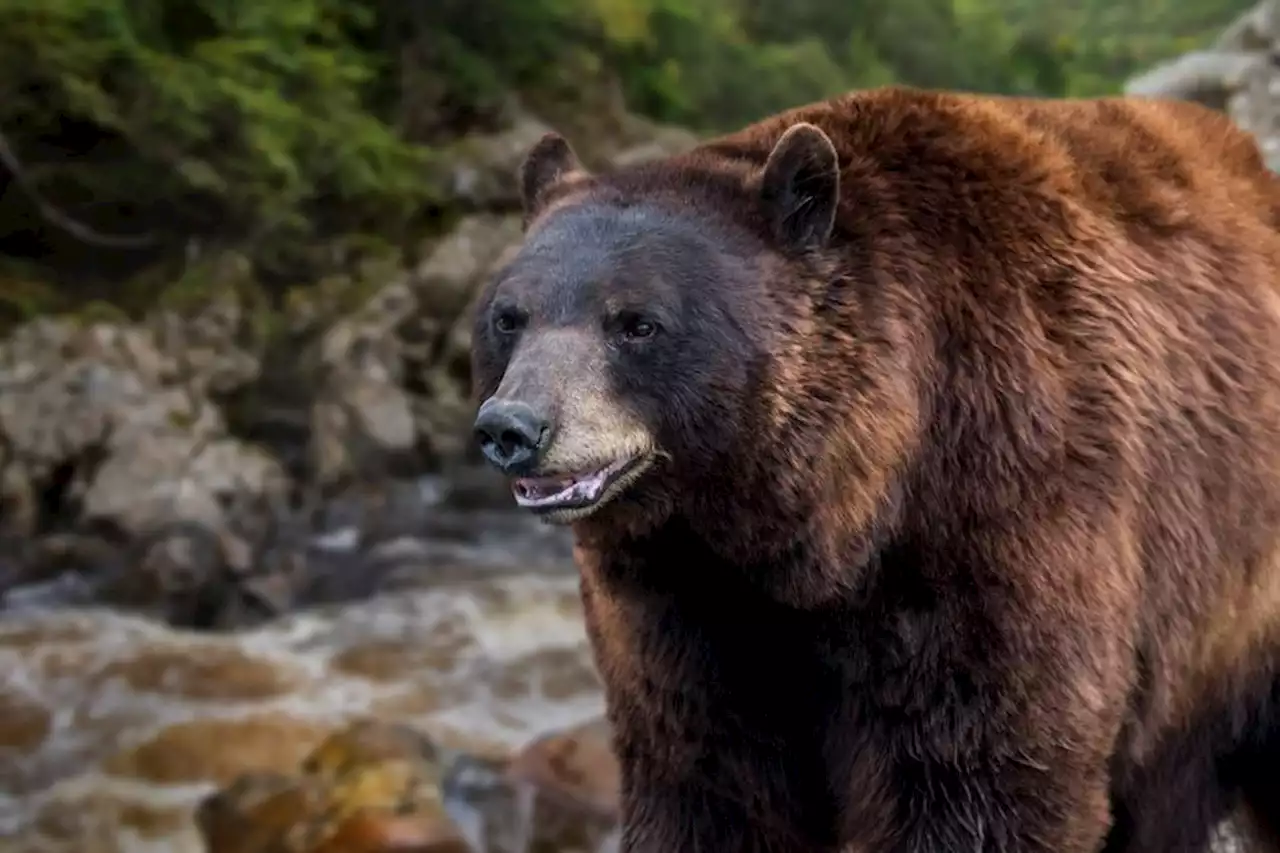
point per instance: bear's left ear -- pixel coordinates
(800, 187)
(551, 159)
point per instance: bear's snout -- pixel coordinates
(511, 433)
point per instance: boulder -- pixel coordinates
(391, 374)
(367, 788)
(1239, 73)
(376, 786)
(99, 425)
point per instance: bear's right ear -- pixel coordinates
(550, 160)
(800, 187)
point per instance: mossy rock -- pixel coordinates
(98, 311)
(21, 301)
(208, 281)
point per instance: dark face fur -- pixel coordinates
(614, 358)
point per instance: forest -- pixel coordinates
(133, 130)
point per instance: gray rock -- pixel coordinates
(1238, 74)
(100, 415)
(481, 171)
(152, 477)
(391, 397)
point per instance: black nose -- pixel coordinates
(509, 433)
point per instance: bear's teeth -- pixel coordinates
(540, 489)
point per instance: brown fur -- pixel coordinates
(998, 568)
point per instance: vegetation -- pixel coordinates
(133, 130)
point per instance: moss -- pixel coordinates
(181, 420)
(98, 311)
(361, 264)
(207, 281)
(22, 299)
(331, 296)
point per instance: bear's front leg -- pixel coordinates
(691, 789)
(1018, 805)
(1006, 755)
(718, 715)
(995, 705)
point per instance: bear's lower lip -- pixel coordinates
(570, 491)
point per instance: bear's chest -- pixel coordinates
(698, 622)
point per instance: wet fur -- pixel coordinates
(968, 537)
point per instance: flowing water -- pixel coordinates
(112, 726)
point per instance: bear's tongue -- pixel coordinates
(571, 490)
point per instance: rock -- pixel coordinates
(368, 788)
(218, 750)
(24, 725)
(19, 508)
(164, 475)
(90, 823)
(393, 387)
(219, 673)
(116, 455)
(365, 741)
(481, 169)
(366, 832)
(98, 428)
(560, 793)
(362, 422)
(59, 555)
(213, 341)
(1255, 105)
(575, 767)
(1207, 77)
(361, 415)
(654, 142)
(191, 576)
(259, 810)
(1238, 74)
(1255, 30)
(446, 278)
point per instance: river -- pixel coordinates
(112, 725)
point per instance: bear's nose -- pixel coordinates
(509, 433)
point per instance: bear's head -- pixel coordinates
(618, 359)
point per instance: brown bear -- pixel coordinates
(922, 455)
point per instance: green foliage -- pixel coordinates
(1097, 44)
(279, 127)
(715, 64)
(223, 116)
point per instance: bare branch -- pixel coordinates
(9, 159)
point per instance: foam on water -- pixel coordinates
(485, 632)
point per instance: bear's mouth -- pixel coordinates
(579, 492)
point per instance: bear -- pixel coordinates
(921, 455)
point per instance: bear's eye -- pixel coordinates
(507, 321)
(637, 328)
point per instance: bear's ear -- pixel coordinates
(550, 160)
(800, 187)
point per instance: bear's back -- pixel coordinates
(1156, 164)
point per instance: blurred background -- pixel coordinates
(256, 596)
